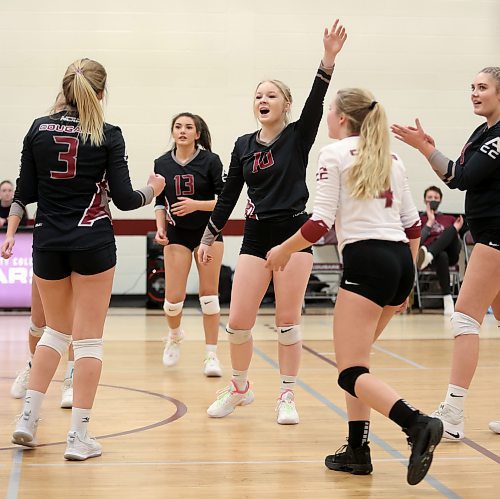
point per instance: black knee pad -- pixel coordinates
(347, 378)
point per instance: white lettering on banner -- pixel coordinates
(15, 275)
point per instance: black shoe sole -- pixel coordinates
(422, 451)
(353, 469)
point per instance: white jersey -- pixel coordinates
(384, 218)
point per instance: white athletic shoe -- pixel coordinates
(25, 431)
(67, 393)
(172, 352)
(78, 449)
(424, 258)
(20, 385)
(453, 422)
(212, 367)
(286, 412)
(227, 400)
(494, 426)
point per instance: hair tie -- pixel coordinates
(79, 71)
(372, 105)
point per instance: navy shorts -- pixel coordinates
(486, 231)
(55, 265)
(262, 235)
(382, 271)
(188, 238)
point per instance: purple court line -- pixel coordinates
(181, 409)
(317, 354)
(482, 450)
(473, 445)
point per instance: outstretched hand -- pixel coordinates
(334, 39)
(412, 135)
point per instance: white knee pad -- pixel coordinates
(91, 347)
(238, 336)
(210, 304)
(173, 309)
(463, 324)
(36, 331)
(54, 339)
(289, 335)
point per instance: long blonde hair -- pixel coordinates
(83, 81)
(370, 173)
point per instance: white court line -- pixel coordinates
(238, 463)
(399, 357)
(15, 474)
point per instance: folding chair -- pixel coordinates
(330, 271)
(425, 278)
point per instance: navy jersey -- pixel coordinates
(478, 171)
(199, 178)
(275, 173)
(69, 178)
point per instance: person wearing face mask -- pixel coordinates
(194, 177)
(476, 171)
(272, 162)
(440, 244)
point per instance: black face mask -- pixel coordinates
(434, 205)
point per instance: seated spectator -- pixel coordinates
(440, 243)
(6, 197)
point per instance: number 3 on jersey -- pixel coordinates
(68, 157)
(184, 185)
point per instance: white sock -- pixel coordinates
(33, 402)
(177, 333)
(211, 348)
(456, 396)
(80, 420)
(240, 378)
(287, 382)
(69, 369)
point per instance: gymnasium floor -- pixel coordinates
(159, 443)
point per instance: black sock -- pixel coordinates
(358, 433)
(403, 414)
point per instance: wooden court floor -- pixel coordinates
(159, 443)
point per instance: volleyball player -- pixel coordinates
(363, 189)
(69, 160)
(476, 171)
(272, 162)
(193, 176)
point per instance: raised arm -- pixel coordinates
(310, 118)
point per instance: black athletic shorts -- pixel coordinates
(381, 271)
(486, 231)
(186, 237)
(262, 235)
(54, 265)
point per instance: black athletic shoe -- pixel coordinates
(355, 461)
(423, 437)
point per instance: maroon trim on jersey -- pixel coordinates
(98, 206)
(313, 230)
(414, 231)
(140, 227)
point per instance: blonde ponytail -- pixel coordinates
(369, 176)
(83, 82)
